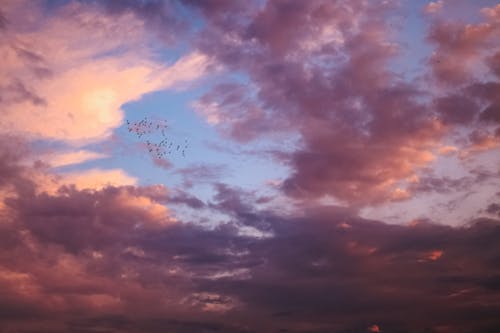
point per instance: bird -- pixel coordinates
(160, 146)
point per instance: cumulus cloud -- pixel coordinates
(363, 130)
(462, 48)
(116, 260)
(321, 92)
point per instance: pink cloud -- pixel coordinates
(322, 71)
(338, 96)
(461, 48)
(94, 63)
(71, 158)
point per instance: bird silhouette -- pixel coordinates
(149, 130)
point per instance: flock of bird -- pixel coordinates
(146, 127)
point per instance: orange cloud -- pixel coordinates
(448, 150)
(435, 255)
(431, 255)
(157, 214)
(92, 179)
(96, 179)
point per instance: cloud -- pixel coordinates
(434, 7)
(357, 141)
(456, 109)
(493, 209)
(158, 16)
(71, 158)
(201, 173)
(92, 64)
(67, 73)
(116, 259)
(363, 129)
(180, 197)
(461, 48)
(93, 251)
(447, 150)
(491, 113)
(236, 114)
(90, 179)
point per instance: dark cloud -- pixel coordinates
(180, 197)
(456, 109)
(17, 92)
(3, 21)
(445, 184)
(11, 152)
(491, 113)
(87, 261)
(161, 17)
(494, 209)
(429, 182)
(494, 63)
(319, 70)
(14, 88)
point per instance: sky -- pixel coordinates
(249, 166)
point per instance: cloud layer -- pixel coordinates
(90, 249)
(115, 260)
